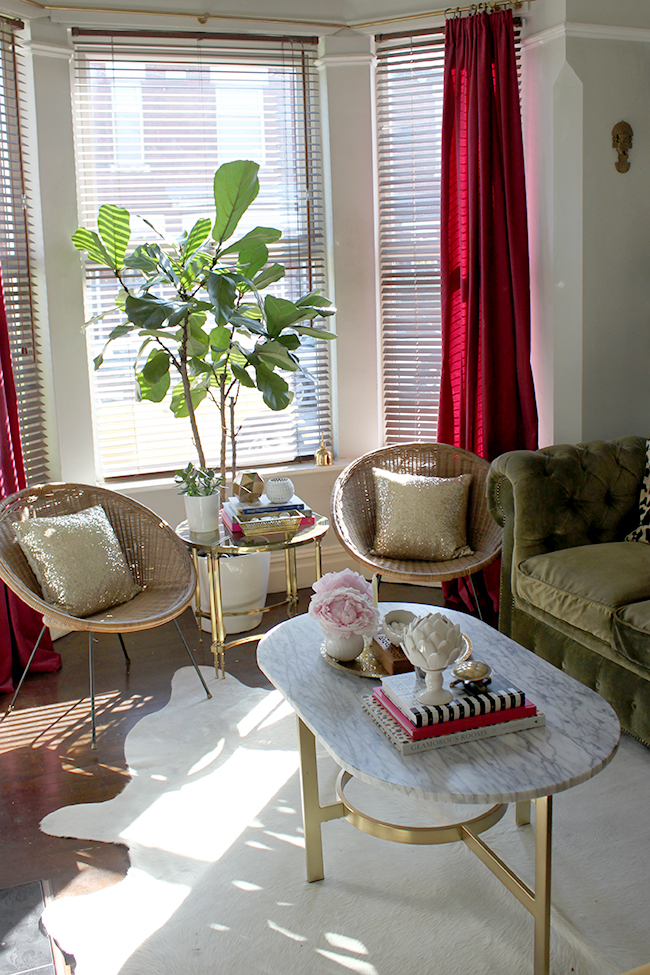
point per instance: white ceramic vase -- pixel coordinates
(343, 646)
(202, 513)
(434, 692)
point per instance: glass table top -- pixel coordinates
(222, 542)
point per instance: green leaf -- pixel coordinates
(280, 314)
(223, 295)
(88, 240)
(178, 404)
(120, 330)
(289, 340)
(156, 366)
(149, 312)
(316, 300)
(141, 260)
(235, 187)
(220, 338)
(253, 239)
(98, 360)
(275, 391)
(242, 376)
(315, 333)
(197, 340)
(114, 225)
(270, 274)
(273, 354)
(197, 235)
(153, 378)
(244, 323)
(251, 260)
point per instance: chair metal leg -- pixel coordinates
(190, 655)
(24, 673)
(478, 608)
(126, 656)
(91, 670)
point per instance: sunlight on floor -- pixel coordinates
(240, 784)
(47, 726)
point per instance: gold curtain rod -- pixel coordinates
(488, 7)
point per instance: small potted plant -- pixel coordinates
(200, 487)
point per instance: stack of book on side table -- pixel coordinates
(264, 517)
(414, 727)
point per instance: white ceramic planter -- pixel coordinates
(202, 513)
(244, 586)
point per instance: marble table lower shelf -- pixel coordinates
(579, 739)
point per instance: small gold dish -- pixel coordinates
(471, 672)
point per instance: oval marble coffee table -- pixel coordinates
(579, 739)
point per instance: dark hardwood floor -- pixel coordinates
(45, 757)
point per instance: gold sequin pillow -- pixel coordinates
(423, 518)
(77, 561)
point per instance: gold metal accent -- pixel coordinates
(537, 902)
(622, 135)
(367, 665)
(473, 673)
(420, 835)
(248, 486)
(203, 18)
(220, 544)
(313, 814)
(323, 456)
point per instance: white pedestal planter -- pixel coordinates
(202, 513)
(244, 586)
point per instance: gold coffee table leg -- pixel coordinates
(313, 814)
(542, 911)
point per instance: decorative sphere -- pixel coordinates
(248, 486)
(279, 489)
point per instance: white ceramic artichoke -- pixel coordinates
(432, 642)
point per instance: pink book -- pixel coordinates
(450, 727)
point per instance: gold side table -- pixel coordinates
(222, 544)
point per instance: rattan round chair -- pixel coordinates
(157, 557)
(353, 511)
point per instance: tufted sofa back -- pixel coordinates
(563, 496)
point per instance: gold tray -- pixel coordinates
(367, 665)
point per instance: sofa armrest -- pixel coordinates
(560, 497)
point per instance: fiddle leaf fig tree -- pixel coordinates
(197, 305)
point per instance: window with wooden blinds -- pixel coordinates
(155, 116)
(15, 261)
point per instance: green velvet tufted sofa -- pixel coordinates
(572, 590)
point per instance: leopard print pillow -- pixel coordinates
(642, 533)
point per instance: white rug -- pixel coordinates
(217, 883)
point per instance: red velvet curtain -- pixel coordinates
(487, 399)
(19, 624)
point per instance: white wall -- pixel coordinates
(586, 67)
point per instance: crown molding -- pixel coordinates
(592, 32)
(345, 60)
(48, 50)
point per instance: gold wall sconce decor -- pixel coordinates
(622, 141)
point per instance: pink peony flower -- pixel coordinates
(344, 611)
(346, 579)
